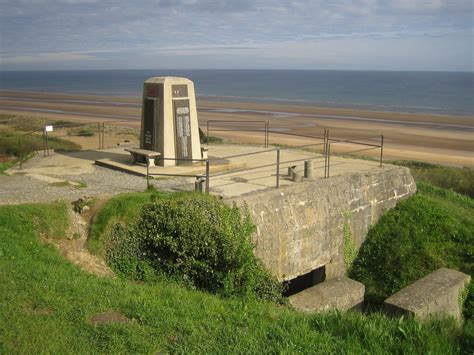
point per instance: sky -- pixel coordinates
(242, 34)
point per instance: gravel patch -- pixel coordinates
(101, 183)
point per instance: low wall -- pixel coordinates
(436, 294)
(301, 227)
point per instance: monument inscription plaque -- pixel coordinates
(148, 124)
(183, 129)
(180, 90)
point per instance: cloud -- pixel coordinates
(45, 58)
(114, 28)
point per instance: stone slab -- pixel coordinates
(335, 294)
(436, 294)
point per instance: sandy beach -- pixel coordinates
(432, 138)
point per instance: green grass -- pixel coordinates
(30, 143)
(460, 180)
(81, 132)
(79, 185)
(433, 229)
(46, 303)
(209, 139)
(5, 166)
(60, 184)
(119, 209)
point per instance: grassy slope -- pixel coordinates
(433, 229)
(122, 208)
(460, 180)
(45, 304)
(30, 143)
(5, 166)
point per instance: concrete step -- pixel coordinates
(335, 294)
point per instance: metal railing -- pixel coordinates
(255, 129)
(325, 141)
(277, 163)
(370, 145)
(97, 129)
(20, 150)
(197, 176)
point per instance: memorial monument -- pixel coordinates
(169, 123)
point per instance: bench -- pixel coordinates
(149, 155)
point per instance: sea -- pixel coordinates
(418, 92)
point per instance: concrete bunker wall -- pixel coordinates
(301, 227)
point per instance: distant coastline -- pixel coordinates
(444, 139)
(441, 93)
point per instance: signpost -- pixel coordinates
(47, 129)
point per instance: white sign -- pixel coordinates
(48, 128)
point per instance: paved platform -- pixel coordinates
(235, 169)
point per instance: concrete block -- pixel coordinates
(308, 169)
(291, 170)
(339, 293)
(296, 177)
(436, 294)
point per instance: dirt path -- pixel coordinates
(73, 247)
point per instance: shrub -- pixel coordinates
(211, 139)
(196, 239)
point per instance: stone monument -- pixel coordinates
(169, 122)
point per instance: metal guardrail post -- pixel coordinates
(47, 142)
(278, 169)
(381, 150)
(147, 176)
(103, 135)
(44, 143)
(329, 157)
(19, 153)
(207, 176)
(326, 141)
(98, 133)
(266, 134)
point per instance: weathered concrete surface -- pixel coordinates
(301, 227)
(436, 294)
(338, 293)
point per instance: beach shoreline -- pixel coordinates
(444, 139)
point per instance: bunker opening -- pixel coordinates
(305, 281)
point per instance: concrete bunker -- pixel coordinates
(302, 228)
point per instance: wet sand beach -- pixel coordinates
(432, 138)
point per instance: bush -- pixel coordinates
(211, 139)
(196, 239)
